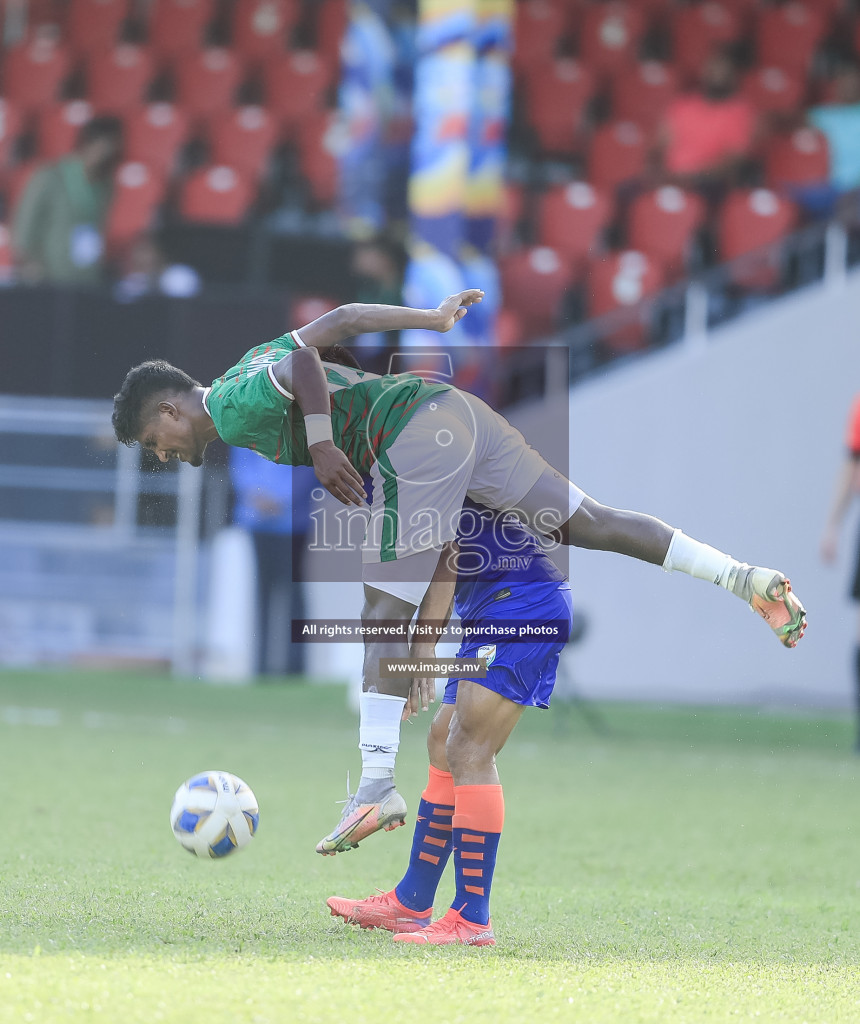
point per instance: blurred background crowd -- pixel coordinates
(185, 178)
(572, 157)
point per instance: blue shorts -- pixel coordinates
(522, 672)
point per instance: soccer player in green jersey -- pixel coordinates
(426, 446)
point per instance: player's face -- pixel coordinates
(170, 435)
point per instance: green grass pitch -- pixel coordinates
(686, 866)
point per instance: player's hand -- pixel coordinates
(422, 692)
(454, 308)
(336, 473)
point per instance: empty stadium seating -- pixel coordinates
(57, 127)
(215, 195)
(137, 192)
(154, 134)
(662, 223)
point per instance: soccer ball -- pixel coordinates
(213, 814)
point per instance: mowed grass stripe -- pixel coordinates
(441, 985)
(689, 865)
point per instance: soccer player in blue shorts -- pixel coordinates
(426, 446)
(517, 604)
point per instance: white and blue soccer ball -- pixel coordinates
(214, 814)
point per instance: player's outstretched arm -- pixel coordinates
(300, 375)
(360, 318)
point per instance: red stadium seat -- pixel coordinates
(179, 26)
(620, 280)
(318, 160)
(538, 27)
(572, 218)
(557, 93)
(93, 25)
(513, 207)
(154, 135)
(6, 262)
(33, 74)
(261, 28)
(534, 282)
(118, 79)
(296, 85)
(750, 219)
(242, 139)
(773, 90)
(332, 18)
(609, 36)
(10, 127)
(215, 195)
(662, 224)
(617, 154)
(696, 30)
(799, 158)
(742, 9)
(206, 82)
(642, 91)
(137, 193)
(509, 329)
(788, 36)
(57, 127)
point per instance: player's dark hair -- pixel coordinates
(342, 356)
(142, 385)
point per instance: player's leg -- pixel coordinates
(556, 508)
(854, 593)
(637, 535)
(857, 688)
(409, 905)
(766, 591)
(419, 483)
(376, 803)
(482, 722)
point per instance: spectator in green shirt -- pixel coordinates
(58, 230)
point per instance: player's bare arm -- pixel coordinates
(433, 615)
(364, 318)
(301, 374)
(847, 485)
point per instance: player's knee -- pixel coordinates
(466, 752)
(379, 606)
(437, 739)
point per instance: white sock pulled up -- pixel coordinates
(379, 733)
(700, 560)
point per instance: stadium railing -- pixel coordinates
(99, 555)
(689, 312)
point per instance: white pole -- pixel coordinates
(189, 487)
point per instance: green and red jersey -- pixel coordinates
(250, 409)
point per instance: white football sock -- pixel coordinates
(700, 560)
(379, 733)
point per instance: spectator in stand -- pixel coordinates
(149, 272)
(706, 136)
(846, 490)
(58, 231)
(273, 505)
(840, 123)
